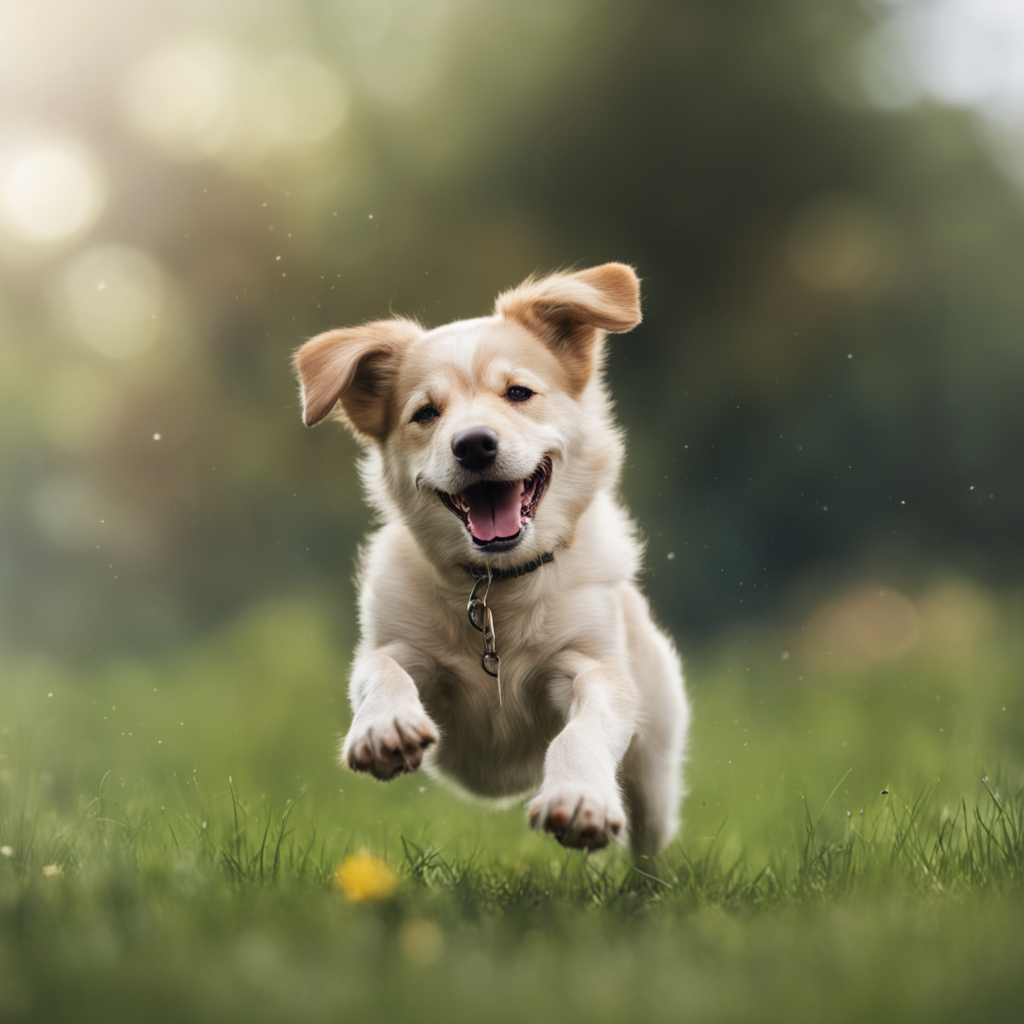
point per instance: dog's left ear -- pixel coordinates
(573, 312)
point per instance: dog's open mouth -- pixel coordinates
(495, 511)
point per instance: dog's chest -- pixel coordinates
(494, 731)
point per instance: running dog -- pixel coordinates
(505, 645)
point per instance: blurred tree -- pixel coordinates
(825, 382)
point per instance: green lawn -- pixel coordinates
(853, 846)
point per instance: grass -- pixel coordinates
(854, 846)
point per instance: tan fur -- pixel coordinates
(569, 312)
(593, 715)
(356, 367)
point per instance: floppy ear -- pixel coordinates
(357, 367)
(572, 313)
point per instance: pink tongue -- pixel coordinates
(494, 509)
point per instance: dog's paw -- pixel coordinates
(388, 745)
(577, 815)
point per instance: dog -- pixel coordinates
(504, 643)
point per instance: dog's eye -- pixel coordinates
(427, 413)
(517, 393)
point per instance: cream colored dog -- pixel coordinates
(504, 641)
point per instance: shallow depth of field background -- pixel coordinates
(825, 202)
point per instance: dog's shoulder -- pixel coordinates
(606, 549)
(391, 564)
(400, 594)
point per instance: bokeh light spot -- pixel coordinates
(50, 190)
(184, 97)
(861, 626)
(839, 244)
(207, 99)
(421, 940)
(303, 99)
(112, 297)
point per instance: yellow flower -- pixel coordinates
(365, 877)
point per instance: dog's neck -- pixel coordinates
(481, 617)
(479, 572)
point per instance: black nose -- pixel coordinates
(476, 449)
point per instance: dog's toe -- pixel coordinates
(557, 820)
(580, 817)
(387, 747)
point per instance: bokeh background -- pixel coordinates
(823, 403)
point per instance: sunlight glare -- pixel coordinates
(962, 52)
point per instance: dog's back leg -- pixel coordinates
(651, 771)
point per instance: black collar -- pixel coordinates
(513, 573)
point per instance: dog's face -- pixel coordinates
(490, 436)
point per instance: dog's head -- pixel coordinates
(488, 437)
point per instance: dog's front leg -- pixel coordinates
(579, 800)
(390, 730)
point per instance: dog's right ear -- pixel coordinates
(356, 367)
